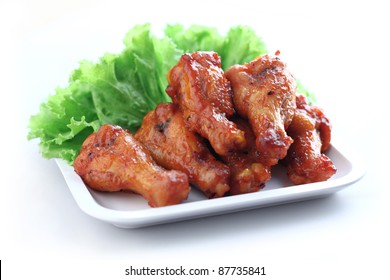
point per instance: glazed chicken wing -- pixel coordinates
(173, 146)
(198, 85)
(311, 132)
(248, 174)
(112, 160)
(264, 93)
(322, 123)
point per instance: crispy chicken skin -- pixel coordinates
(247, 173)
(322, 123)
(198, 85)
(311, 131)
(173, 146)
(264, 93)
(112, 160)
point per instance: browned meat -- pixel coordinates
(112, 160)
(264, 93)
(173, 146)
(248, 173)
(311, 132)
(198, 85)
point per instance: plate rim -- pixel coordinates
(208, 207)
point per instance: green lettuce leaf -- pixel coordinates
(64, 121)
(119, 89)
(240, 45)
(195, 38)
(122, 88)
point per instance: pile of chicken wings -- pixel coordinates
(222, 134)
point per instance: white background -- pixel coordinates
(339, 49)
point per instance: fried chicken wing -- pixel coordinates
(322, 123)
(264, 93)
(198, 85)
(311, 131)
(173, 146)
(248, 174)
(112, 160)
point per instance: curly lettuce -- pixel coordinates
(122, 88)
(118, 89)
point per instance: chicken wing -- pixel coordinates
(248, 174)
(173, 146)
(112, 160)
(198, 85)
(322, 123)
(311, 131)
(264, 93)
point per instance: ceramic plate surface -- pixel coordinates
(129, 210)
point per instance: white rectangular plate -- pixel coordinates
(129, 210)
